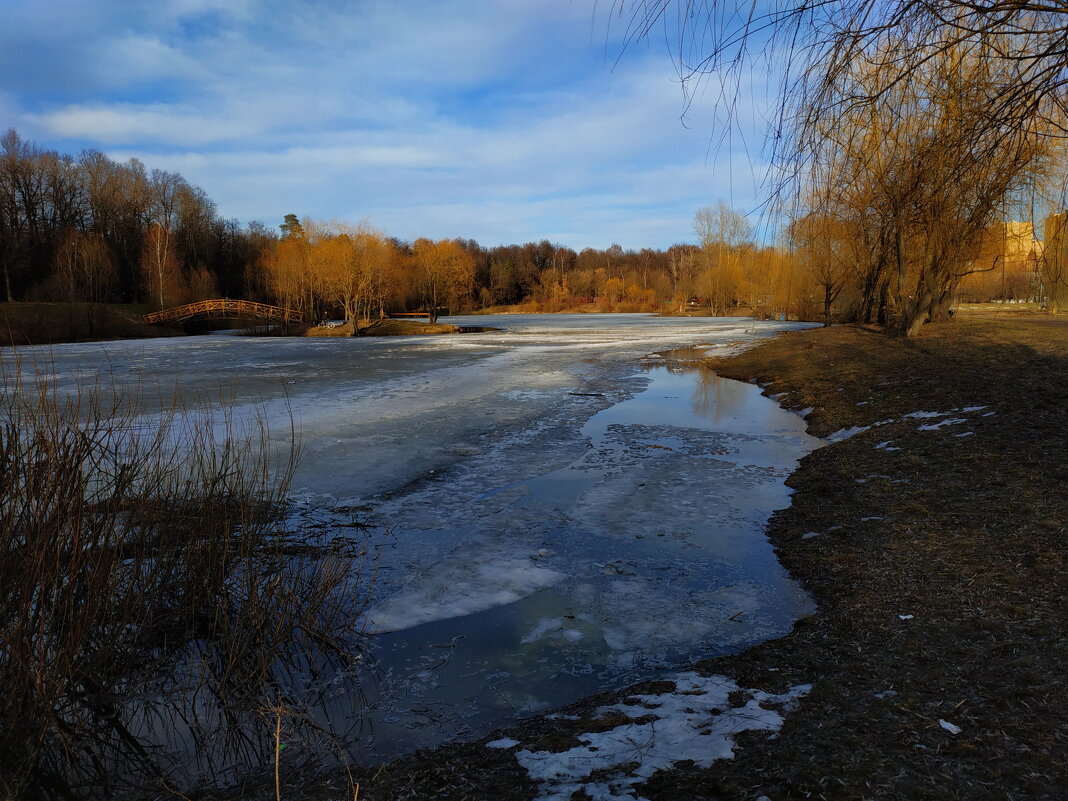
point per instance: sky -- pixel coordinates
(504, 121)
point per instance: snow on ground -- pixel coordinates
(846, 433)
(695, 722)
(949, 421)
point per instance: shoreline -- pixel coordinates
(936, 657)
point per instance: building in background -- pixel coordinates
(1008, 267)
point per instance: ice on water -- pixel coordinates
(563, 519)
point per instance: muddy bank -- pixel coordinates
(384, 328)
(933, 541)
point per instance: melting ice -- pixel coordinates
(562, 519)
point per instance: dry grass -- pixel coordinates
(403, 328)
(142, 588)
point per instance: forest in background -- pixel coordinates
(88, 229)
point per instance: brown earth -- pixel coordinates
(383, 328)
(403, 328)
(938, 565)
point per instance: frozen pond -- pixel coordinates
(568, 512)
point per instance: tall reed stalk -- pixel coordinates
(142, 587)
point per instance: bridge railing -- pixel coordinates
(224, 307)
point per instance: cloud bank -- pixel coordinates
(503, 122)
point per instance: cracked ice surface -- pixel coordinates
(632, 529)
(545, 545)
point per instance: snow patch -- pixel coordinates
(949, 421)
(503, 743)
(695, 722)
(846, 433)
(950, 727)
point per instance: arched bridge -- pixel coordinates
(224, 307)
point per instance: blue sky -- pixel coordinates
(499, 120)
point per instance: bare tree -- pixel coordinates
(723, 234)
(946, 113)
(444, 273)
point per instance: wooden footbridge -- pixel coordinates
(224, 308)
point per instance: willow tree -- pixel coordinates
(948, 113)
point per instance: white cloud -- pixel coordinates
(482, 119)
(142, 58)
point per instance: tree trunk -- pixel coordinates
(915, 314)
(7, 283)
(882, 312)
(939, 311)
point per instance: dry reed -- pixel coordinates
(149, 615)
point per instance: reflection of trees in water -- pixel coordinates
(716, 398)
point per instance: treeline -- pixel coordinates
(87, 228)
(327, 269)
(91, 229)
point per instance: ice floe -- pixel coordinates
(454, 588)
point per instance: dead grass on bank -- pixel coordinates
(938, 570)
(964, 534)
